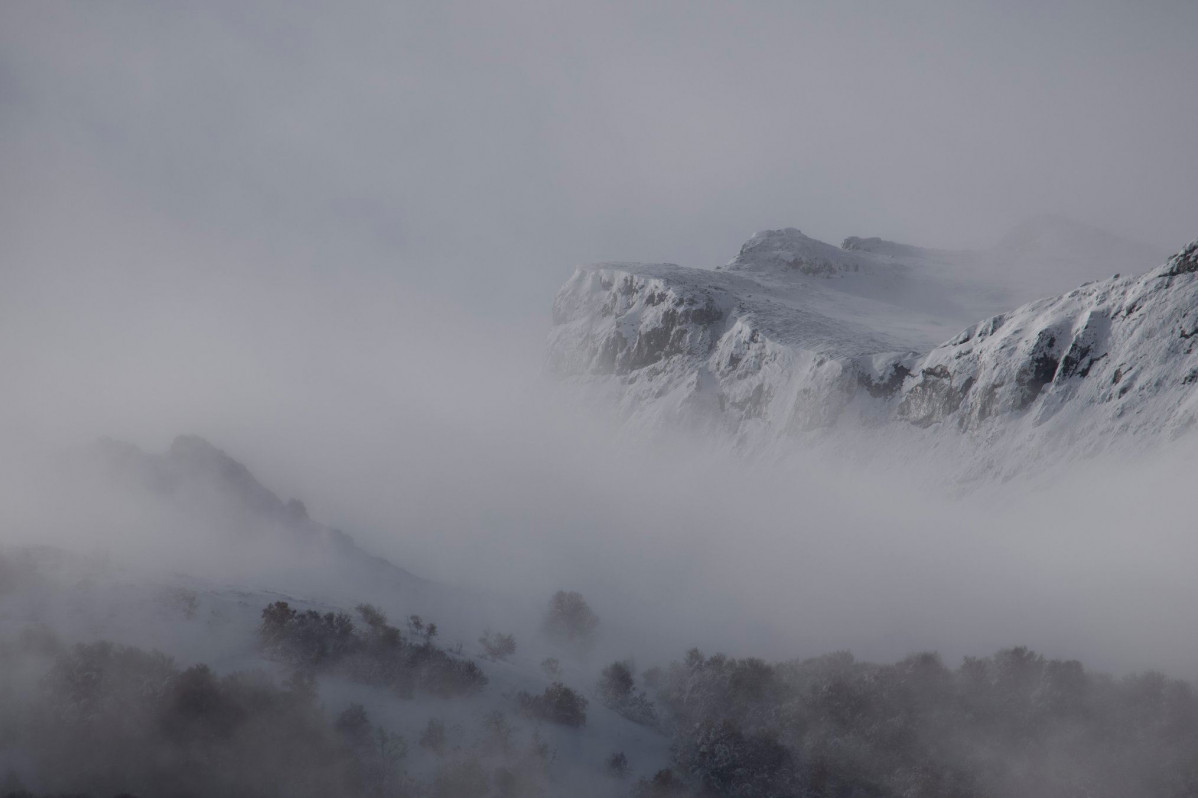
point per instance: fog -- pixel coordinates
(327, 240)
(483, 148)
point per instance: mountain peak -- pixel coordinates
(199, 459)
(789, 250)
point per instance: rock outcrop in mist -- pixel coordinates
(795, 337)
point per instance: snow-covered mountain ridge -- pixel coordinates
(795, 337)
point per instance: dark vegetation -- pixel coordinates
(105, 720)
(1014, 725)
(617, 764)
(558, 704)
(377, 654)
(617, 691)
(497, 646)
(569, 620)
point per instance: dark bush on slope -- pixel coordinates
(379, 654)
(617, 691)
(497, 646)
(570, 620)
(616, 683)
(558, 704)
(617, 764)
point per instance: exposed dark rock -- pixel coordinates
(939, 372)
(880, 246)
(1038, 370)
(1077, 361)
(671, 337)
(991, 325)
(887, 387)
(789, 250)
(1184, 262)
(811, 266)
(933, 397)
(1086, 348)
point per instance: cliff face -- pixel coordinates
(1119, 353)
(675, 345)
(795, 336)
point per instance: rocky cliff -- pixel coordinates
(796, 336)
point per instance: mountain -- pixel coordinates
(210, 491)
(268, 550)
(795, 337)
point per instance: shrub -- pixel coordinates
(419, 629)
(616, 683)
(558, 704)
(570, 619)
(379, 655)
(617, 691)
(725, 761)
(445, 676)
(498, 646)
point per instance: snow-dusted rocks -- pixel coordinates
(795, 335)
(644, 315)
(789, 249)
(1118, 353)
(690, 346)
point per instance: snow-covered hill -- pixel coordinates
(795, 337)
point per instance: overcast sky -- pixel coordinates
(482, 148)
